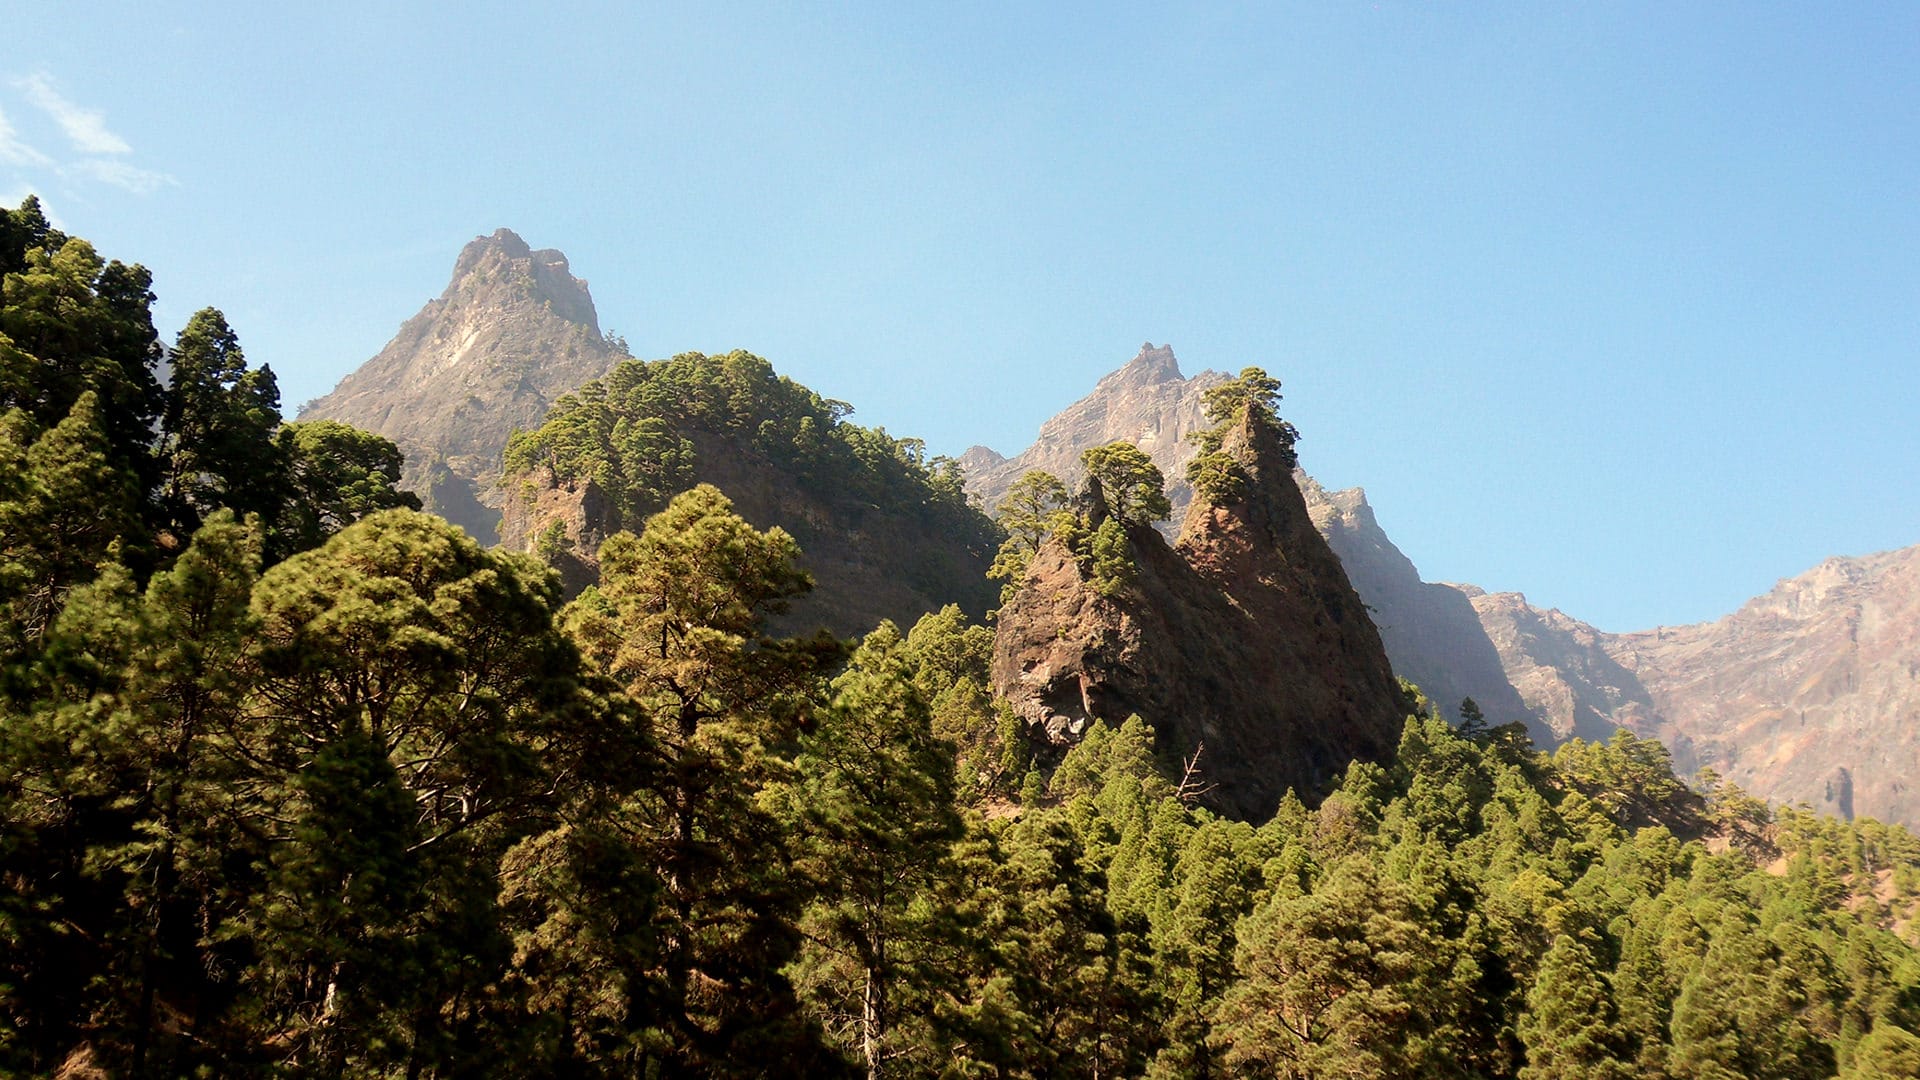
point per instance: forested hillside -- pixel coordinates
(296, 780)
(886, 530)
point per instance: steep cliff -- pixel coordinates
(1430, 630)
(1810, 693)
(1243, 641)
(513, 330)
(1565, 672)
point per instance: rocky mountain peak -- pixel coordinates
(1146, 401)
(502, 242)
(512, 330)
(1244, 642)
(1154, 364)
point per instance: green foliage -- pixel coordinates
(1110, 567)
(1129, 483)
(380, 807)
(871, 804)
(639, 432)
(1034, 508)
(677, 622)
(62, 505)
(1567, 1028)
(219, 422)
(71, 324)
(338, 475)
(1255, 396)
(1217, 476)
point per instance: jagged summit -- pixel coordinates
(1430, 631)
(1146, 401)
(513, 330)
(1245, 637)
(1153, 364)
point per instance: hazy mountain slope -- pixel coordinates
(1563, 670)
(1809, 693)
(1430, 630)
(513, 330)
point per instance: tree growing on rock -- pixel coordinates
(1129, 481)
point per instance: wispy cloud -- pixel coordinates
(99, 153)
(122, 175)
(15, 152)
(85, 128)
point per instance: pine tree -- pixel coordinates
(1324, 981)
(1129, 481)
(72, 324)
(1567, 1028)
(871, 802)
(67, 505)
(410, 690)
(1034, 507)
(336, 475)
(217, 444)
(678, 622)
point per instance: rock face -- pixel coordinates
(1810, 693)
(513, 330)
(1563, 671)
(1243, 640)
(1430, 630)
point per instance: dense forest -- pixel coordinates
(297, 780)
(887, 529)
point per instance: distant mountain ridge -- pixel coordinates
(513, 330)
(1146, 402)
(1810, 693)
(1430, 631)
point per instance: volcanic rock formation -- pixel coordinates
(513, 330)
(1429, 630)
(1243, 643)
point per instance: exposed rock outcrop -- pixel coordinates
(513, 330)
(1429, 630)
(1810, 693)
(1244, 638)
(1563, 670)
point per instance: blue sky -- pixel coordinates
(1614, 304)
